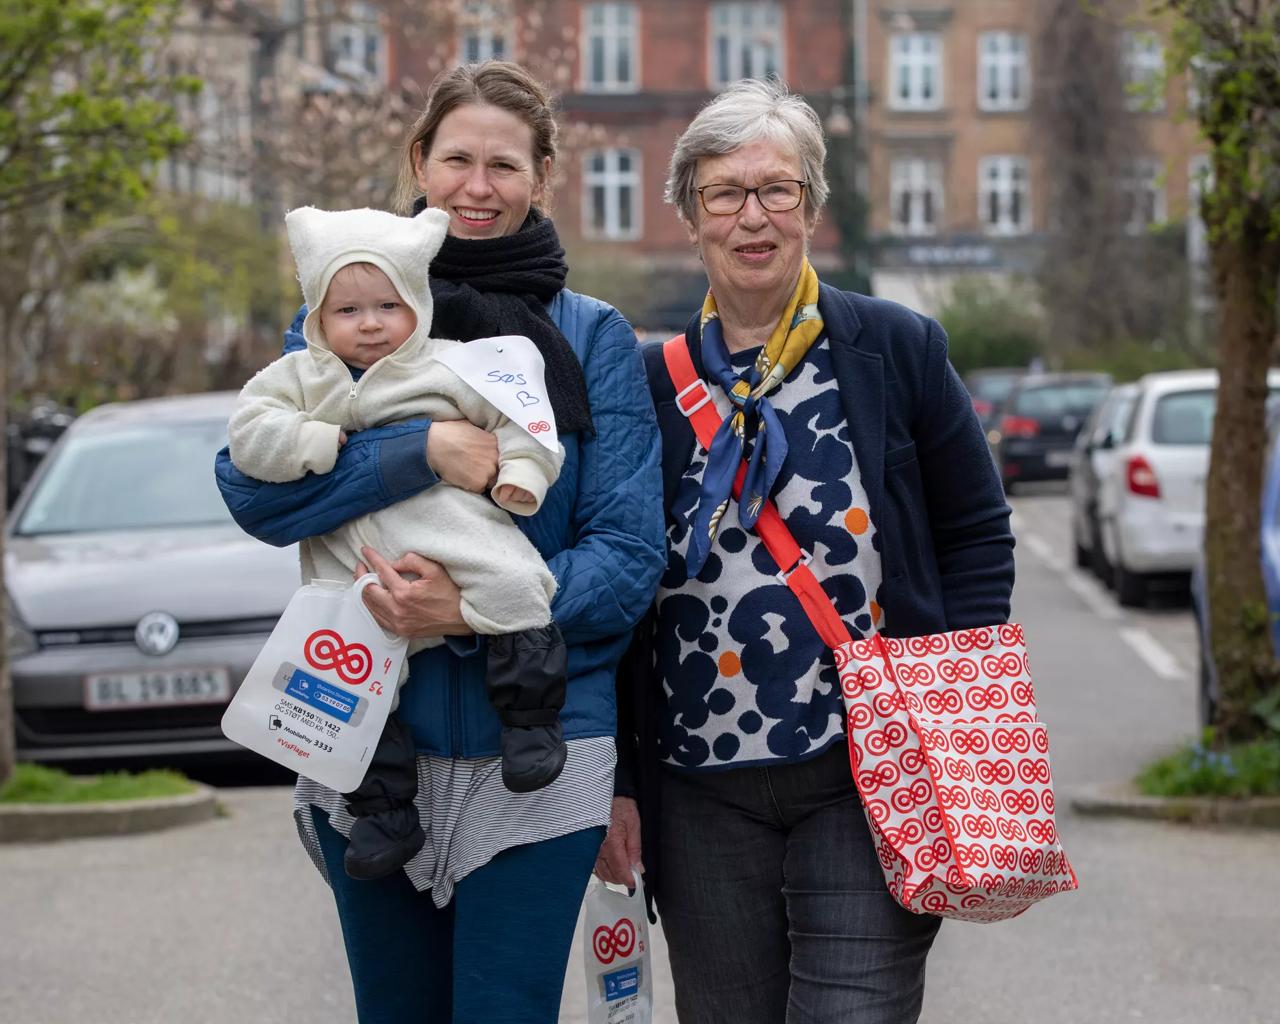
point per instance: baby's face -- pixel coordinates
(363, 316)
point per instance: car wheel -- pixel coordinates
(1206, 702)
(1083, 557)
(1098, 560)
(1131, 587)
(1008, 487)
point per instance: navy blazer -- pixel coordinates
(934, 495)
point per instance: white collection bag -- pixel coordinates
(319, 693)
(615, 940)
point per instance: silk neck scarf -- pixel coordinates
(751, 431)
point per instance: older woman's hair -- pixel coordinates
(499, 83)
(749, 111)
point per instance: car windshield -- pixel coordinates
(992, 387)
(130, 478)
(1184, 417)
(1075, 399)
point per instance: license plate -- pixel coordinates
(113, 690)
(1057, 458)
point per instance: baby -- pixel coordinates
(369, 362)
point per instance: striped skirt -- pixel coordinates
(469, 816)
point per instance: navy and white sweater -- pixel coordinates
(933, 494)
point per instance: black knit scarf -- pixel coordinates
(491, 286)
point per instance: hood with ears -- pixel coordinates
(324, 241)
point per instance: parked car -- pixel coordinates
(136, 605)
(1038, 421)
(1090, 461)
(988, 388)
(1151, 502)
(1207, 688)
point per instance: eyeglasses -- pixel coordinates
(775, 196)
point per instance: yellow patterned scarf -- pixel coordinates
(752, 431)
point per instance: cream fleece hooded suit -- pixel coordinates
(287, 418)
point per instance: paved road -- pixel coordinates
(226, 923)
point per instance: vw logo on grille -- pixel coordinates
(157, 633)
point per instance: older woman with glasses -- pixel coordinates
(844, 411)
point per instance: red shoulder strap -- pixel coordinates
(694, 401)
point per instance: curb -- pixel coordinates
(1126, 802)
(34, 823)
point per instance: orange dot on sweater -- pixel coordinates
(856, 520)
(875, 612)
(730, 664)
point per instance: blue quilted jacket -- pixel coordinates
(600, 531)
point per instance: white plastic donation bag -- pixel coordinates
(319, 693)
(616, 953)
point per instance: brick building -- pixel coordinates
(944, 111)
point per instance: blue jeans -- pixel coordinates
(495, 955)
(773, 903)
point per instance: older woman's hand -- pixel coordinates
(429, 605)
(621, 847)
(462, 454)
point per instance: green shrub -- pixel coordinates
(39, 784)
(992, 324)
(1249, 769)
(1129, 359)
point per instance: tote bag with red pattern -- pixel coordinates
(948, 755)
(952, 765)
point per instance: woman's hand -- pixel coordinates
(462, 454)
(430, 605)
(621, 846)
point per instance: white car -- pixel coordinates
(1091, 461)
(1151, 499)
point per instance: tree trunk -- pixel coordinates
(1246, 269)
(6, 690)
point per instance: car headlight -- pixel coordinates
(21, 641)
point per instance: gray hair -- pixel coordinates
(749, 111)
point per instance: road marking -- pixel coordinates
(1041, 549)
(1091, 592)
(1150, 650)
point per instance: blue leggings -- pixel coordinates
(495, 955)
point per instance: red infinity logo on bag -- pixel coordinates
(325, 649)
(608, 943)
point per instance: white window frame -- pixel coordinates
(1143, 64)
(1007, 180)
(916, 177)
(611, 179)
(751, 34)
(481, 22)
(916, 61)
(1141, 183)
(361, 27)
(1003, 63)
(615, 29)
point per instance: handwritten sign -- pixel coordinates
(508, 372)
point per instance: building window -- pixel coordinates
(611, 194)
(1143, 71)
(915, 71)
(1003, 81)
(1004, 195)
(746, 42)
(483, 31)
(1142, 194)
(609, 48)
(915, 196)
(359, 45)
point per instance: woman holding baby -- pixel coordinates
(477, 926)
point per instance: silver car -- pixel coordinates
(136, 604)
